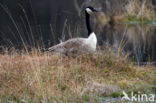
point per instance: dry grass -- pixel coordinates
(37, 77)
(140, 10)
(132, 11)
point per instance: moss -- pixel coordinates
(86, 97)
(116, 94)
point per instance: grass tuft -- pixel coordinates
(36, 77)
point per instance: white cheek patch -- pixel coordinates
(89, 11)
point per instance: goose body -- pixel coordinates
(77, 46)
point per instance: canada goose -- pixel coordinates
(77, 46)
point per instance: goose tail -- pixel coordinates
(44, 49)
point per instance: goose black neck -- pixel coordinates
(88, 23)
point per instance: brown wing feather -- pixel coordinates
(68, 47)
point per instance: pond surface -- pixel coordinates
(138, 40)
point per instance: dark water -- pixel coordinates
(139, 40)
(45, 23)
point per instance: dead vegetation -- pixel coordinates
(140, 10)
(128, 11)
(36, 77)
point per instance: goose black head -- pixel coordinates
(90, 10)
